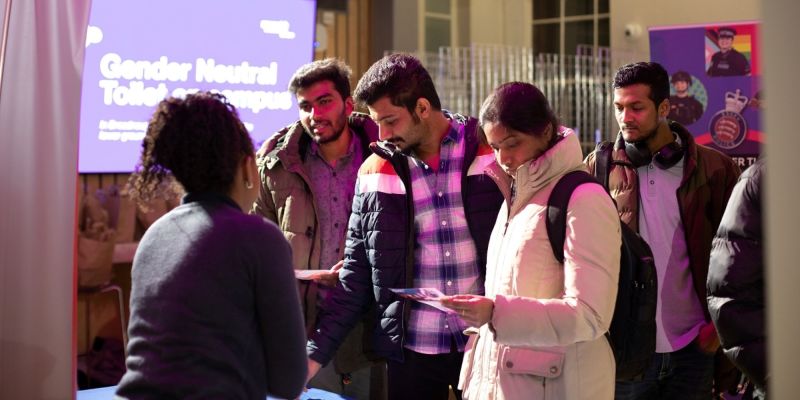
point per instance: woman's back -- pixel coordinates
(213, 305)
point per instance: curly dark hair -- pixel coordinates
(199, 140)
(401, 77)
(329, 69)
(519, 106)
(651, 74)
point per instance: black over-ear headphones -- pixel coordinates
(665, 158)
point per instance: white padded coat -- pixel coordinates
(546, 337)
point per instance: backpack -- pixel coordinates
(632, 333)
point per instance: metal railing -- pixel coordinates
(577, 86)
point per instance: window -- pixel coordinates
(560, 26)
(439, 24)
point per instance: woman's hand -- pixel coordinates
(474, 310)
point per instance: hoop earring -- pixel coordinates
(248, 184)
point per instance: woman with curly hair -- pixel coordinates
(214, 306)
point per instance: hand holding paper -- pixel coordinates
(429, 296)
(473, 309)
(327, 277)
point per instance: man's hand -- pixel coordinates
(474, 310)
(707, 339)
(313, 368)
(330, 277)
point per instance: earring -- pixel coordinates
(248, 184)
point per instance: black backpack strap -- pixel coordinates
(602, 162)
(556, 221)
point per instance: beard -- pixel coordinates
(328, 139)
(643, 136)
(337, 128)
(408, 142)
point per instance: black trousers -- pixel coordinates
(425, 376)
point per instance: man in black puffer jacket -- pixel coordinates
(736, 279)
(422, 215)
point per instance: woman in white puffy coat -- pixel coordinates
(539, 330)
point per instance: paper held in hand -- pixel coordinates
(429, 296)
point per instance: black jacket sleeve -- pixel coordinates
(351, 297)
(736, 280)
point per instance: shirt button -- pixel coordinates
(444, 223)
(447, 327)
(447, 254)
(335, 199)
(449, 283)
(440, 194)
(336, 225)
(553, 369)
(337, 250)
(652, 182)
(509, 364)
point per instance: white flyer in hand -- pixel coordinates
(429, 296)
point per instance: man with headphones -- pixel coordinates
(672, 191)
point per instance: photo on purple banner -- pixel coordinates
(688, 98)
(728, 51)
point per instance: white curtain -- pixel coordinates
(39, 115)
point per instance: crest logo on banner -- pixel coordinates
(727, 127)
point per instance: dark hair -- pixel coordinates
(681, 76)
(329, 69)
(401, 77)
(648, 73)
(519, 106)
(199, 140)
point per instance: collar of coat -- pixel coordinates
(388, 150)
(290, 145)
(563, 157)
(687, 139)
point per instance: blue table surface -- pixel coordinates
(107, 393)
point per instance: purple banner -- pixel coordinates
(715, 84)
(141, 51)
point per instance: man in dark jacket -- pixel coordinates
(736, 280)
(308, 172)
(422, 215)
(672, 191)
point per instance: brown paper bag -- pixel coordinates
(95, 241)
(126, 223)
(94, 261)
